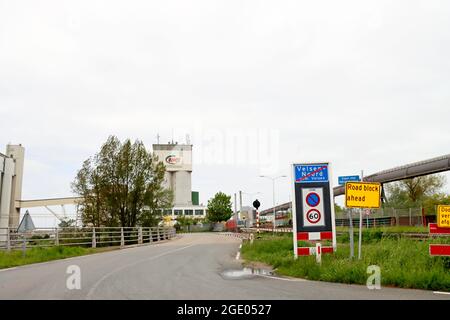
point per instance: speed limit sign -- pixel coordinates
(313, 216)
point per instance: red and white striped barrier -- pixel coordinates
(311, 251)
(314, 236)
(439, 250)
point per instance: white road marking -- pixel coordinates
(438, 292)
(240, 247)
(94, 287)
(9, 269)
(282, 279)
(238, 255)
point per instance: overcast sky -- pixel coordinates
(362, 84)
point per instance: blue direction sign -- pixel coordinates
(344, 179)
(311, 173)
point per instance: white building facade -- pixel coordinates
(178, 161)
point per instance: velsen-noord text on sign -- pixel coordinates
(362, 195)
(443, 216)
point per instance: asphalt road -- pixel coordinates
(190, 267)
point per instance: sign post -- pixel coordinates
(256, 205)
(362, 195)
(312, 207)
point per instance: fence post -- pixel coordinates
(140, 235)
(122, 238)
(94, 238)
(56, 237)
(8, 240)
(397, 219)
(151, 235)
(24, 245)
(158, 237)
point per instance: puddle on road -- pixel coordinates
(246, 273)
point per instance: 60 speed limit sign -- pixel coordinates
(313, 207)
(313, 216)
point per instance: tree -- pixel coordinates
(413, 192)
(219, 208)
(121, 186)
(430, 203)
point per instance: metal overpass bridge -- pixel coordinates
(413, 170)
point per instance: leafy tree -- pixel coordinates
(219, 208)
(121, 186)
(413, 192)
(430, 203)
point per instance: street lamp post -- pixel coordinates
(273, 189)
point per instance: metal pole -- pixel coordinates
(274, 213)
(122, 238)
(410, 220)
(352, 243)
(360, 224)
(240, 201)
(257, 221)
(235, 212)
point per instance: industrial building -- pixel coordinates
(178, 161)
(11, 176)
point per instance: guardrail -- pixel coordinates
(88, 237)
(409, 235)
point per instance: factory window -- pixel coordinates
(168, 212)
(188, 212)
(198, 212)
(178, 212)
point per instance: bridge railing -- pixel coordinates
(11, 239)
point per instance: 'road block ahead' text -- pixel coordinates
(362, 195)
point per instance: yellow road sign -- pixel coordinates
(362, 195)
(443, 219)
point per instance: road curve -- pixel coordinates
(189, 267)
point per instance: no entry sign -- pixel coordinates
(312, 205)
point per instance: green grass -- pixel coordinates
(404, 263)
(15, 258)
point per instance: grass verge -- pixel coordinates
(15, 258)
(404, 262)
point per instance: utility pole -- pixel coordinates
(240, 201)
(235, 212)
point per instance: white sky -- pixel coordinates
(363, 84)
